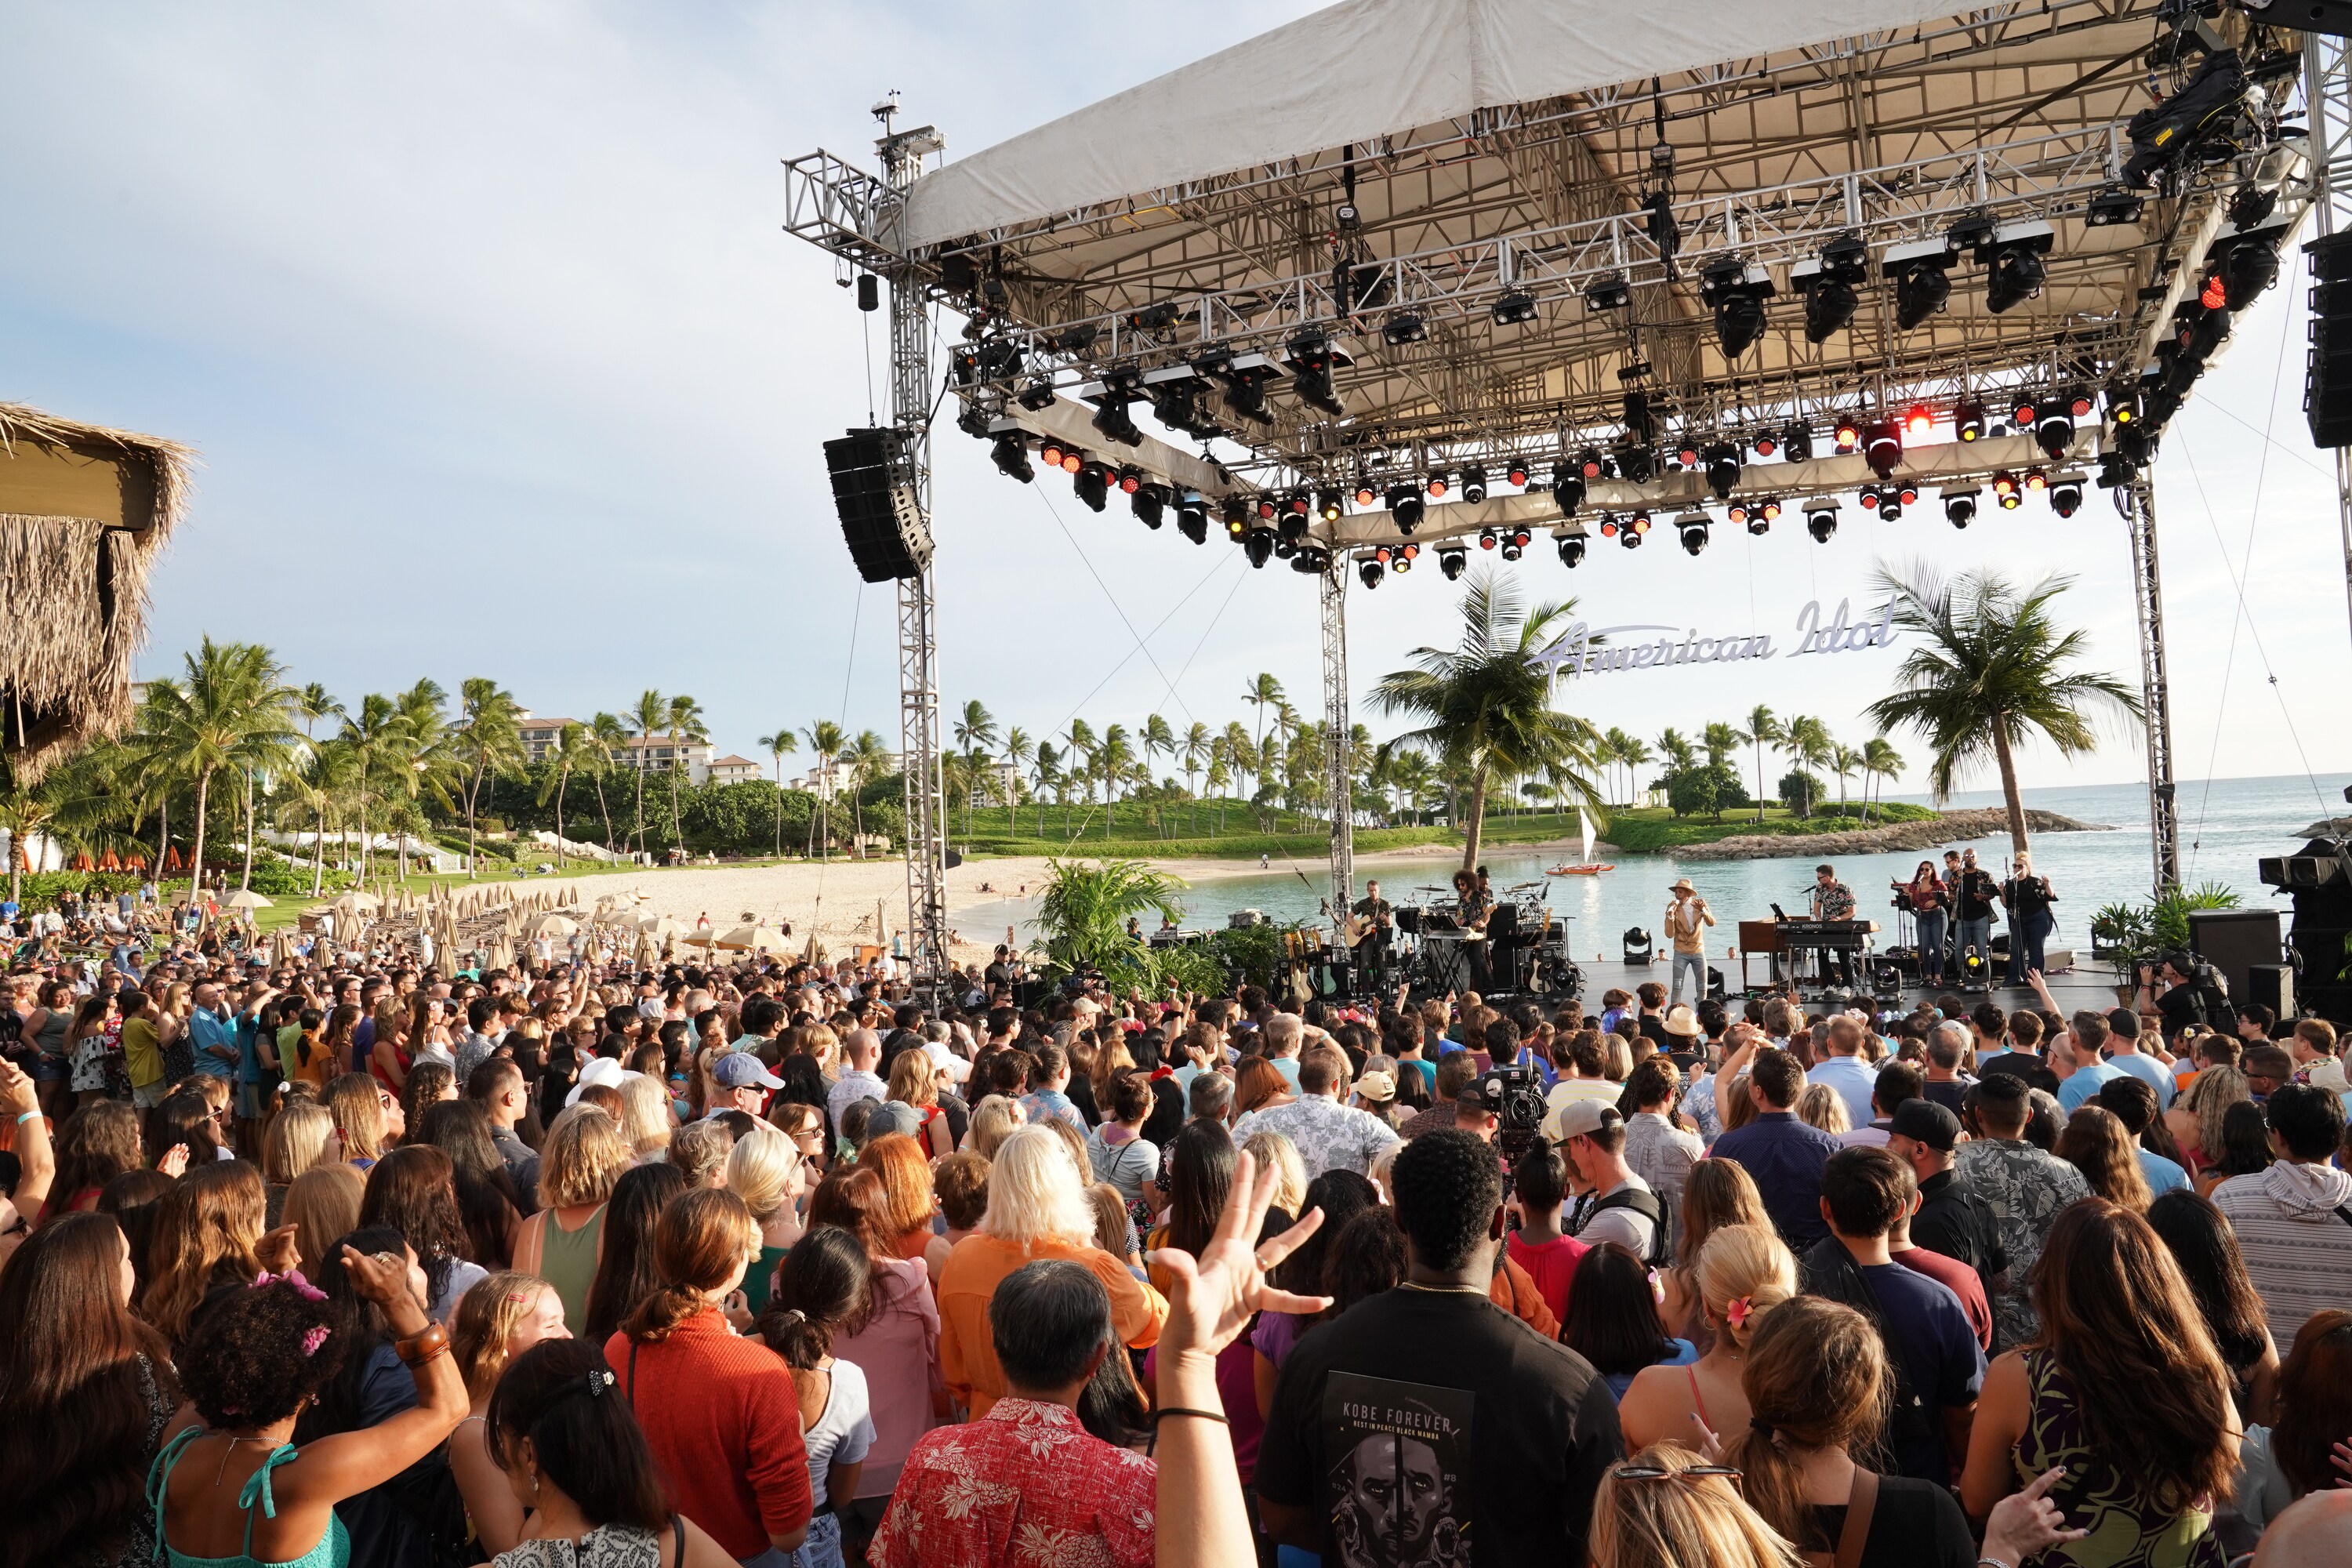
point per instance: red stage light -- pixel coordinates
(2215, 294)
(1437, 487)
(1918, 422)
(1072, 462)
(1365, 495)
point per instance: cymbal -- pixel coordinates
(1424, 889)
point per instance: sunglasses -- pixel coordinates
(1660, 1473)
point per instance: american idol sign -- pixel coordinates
(1585, 649)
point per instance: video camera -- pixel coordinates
(1512, 1094)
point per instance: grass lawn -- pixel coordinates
(287, 907)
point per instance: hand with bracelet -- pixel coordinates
(2025, 1523)
(1210, 1299)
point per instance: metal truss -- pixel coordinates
(2138, 505)
(1339, 722)
(2328, 95)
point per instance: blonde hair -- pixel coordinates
(1823, 1107)
(1036, 1192)
(1272, 1148)
(583, 1155)
(485, 1320)
(915, 1079)
(645, 1110)
(1074, 1141)
(2211, 1093)
(762, 1169)
(295, 1142)
(993, 1122)
(1110, 1218)
(1674, 1523)
(1744, 1263)
(322, 1204)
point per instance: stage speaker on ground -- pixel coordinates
(2327, 364)
(2273, 985)
(2234, 941)
(874, 491)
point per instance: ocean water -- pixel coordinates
(2226, 827)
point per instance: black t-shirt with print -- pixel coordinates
(1424, 1420)
(1914, 1524)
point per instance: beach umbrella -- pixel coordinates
(554, 925)
(755, 939)
(246, 898)
(661, 928)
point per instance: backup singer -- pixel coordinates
(1926, 898)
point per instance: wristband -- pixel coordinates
(1990, 1562)
(1161, 1414)
(30, 1116)
(420, 1348)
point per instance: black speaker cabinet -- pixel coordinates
(2234, 941)
(2273, 985)
(874, 491)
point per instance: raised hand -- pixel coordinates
(2027, 1522)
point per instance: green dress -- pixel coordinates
(2128, 1528)
(762, 1275)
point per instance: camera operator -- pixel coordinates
(2170, 985)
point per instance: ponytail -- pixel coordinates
(1815, 1378)
(825, 1287)
(701, 1243)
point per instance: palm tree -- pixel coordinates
(1263, 693)
(645, 720)
(572, 749)
(1487, 703)
(1717, 741)
(489, 739)
(1635, 754)
(827, 740)
(1807, 742)
(1988, 668)
(975, 731)
(1879, 761)
(1112, 761)
(1219, 775)
(373, 740)
(607, 736)
(1845, 763)
(429, 766)
(685, 723)
(867, 760)
(311, 704)
(1676, 749)
(778, 746)
(1763, 729)
(230, 710)
(1018, 750)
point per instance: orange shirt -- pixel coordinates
(975, 1269)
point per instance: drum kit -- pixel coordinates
(1521, 951)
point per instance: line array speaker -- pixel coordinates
(2327, 365)
(874, 491)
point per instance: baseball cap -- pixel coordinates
(738, 1068)
(892, 1116)
(1925, 1122)
(1582, 1118)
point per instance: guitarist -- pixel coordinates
(1369, 931)
(1475, 905)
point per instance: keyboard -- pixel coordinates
(1824, 934)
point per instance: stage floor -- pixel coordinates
(2089, 986)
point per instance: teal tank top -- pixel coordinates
(333, 1550)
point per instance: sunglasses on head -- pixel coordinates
(1660, 1472)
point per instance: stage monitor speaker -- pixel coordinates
(2327, 364)
(2273, 985)
(874, 491)
(2234, 941)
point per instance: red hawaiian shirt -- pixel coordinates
(1023, 1485)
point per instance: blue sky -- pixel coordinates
(500, 365)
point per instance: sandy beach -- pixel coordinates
(838, 900)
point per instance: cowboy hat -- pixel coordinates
(1681, 1020)
(1682, 885)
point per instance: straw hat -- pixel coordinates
(1682, 1021)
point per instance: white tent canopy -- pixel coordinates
(1352, 73)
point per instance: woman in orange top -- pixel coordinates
(1036, 1209)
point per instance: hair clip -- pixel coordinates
(794, 1314)
(598, 1381)
(315, 1337)
(1738, 1313)
(1758, 1424)
(1657, 1289)
(302, 1288)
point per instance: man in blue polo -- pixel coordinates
(1783, 1154)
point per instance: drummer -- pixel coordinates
(1473, 904)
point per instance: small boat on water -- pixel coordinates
(1588, 867)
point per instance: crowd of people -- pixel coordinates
(366, 1261)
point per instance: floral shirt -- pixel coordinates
(2024, 1188)
(1024, 1485)
(1326, 1134)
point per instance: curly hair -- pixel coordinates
(262, 1353)
(1447, 1190)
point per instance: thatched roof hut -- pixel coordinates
(83, 511)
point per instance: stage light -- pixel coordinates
(1608, 294)
(1052, 453)
(1571, 548)
(1820, 519)
(1011, 456)
(2067, 494)
(1292, 525)
(2021, 414)
(1759, 521)
(1038, 395)
(1366, 495)
(1311, 366)
(1486, 539)
(1113, 421)
(1517, 475)
(2123, 406)
(1722, 470)
(2014, 269)
(1369, 569)
(1515, 307)
(1404, 555)
(1610, 527)
(1245, 380)
(2251, 268)
(1884, 448)
(2035, 479)
(1693, 528)
(2054, 427)
(1093, 484)
(1849, 434)
(1130, 480)
(1192, 518)
(1327, 506)
(2079, 404)
(1686, 454)
(1567, 489)
(2006, 489)
(1512, 549)
(1917, 423)
(1829, 310)
(1921, 289)
(1237, 516)
(1438, 485)
(1588, 463)
(1451, 560)
(1406, 506)
(1796, 444)
(1735, 292)
(1907, 492)
(1766, 445)
(1828, 283)
(1267, 507)
(1631, 538)
(1308, 560)
(1258, 545)
(1890, 507)
(2115, 204)
(1968, 420)
(1640, 522)
(1960, 507)
(1769, 508)
(1521, 536)
(1867, 498)
(1286, 548)
(1474, 485)
(1637, 464)
(1156, 317)
(1736, 512)
(1404, 328)
(2116, 469)
(1175, 395)
(1149, 503)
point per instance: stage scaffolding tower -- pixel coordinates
(1339, 726)
(902, 155)
(2136, 502)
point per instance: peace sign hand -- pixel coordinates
(1211, 1299)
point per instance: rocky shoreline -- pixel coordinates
(1951, 827)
